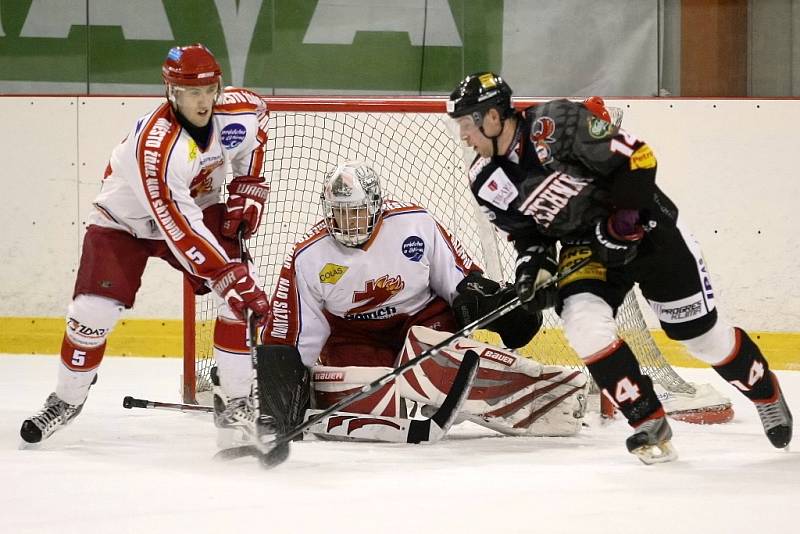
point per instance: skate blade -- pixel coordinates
(656, 454)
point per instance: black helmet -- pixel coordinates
(479, 92)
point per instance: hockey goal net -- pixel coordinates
(421, 161)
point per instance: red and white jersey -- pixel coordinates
(158, 181)
(408, 261)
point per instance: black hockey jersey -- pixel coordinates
(566, 169)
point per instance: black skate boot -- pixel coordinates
(776, 418)
(55, 414)
(651, 441)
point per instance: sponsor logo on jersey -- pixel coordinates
(328, 376)
(332, 273)
(541, 136)
(498, 190)
(682, 310)
(551, 196)
(570, 256)
(643, 158)
(381, 313)
(192, 150)
(232, 135)
(413, 248)
(375, 293)
(498, 357)
(598, 128)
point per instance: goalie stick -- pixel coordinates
(274, 452)
(397, 430)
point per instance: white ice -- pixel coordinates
(146, 471)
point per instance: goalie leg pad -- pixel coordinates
(511, 394)
(283, 385)
(332, 384)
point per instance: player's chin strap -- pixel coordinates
(274, 452)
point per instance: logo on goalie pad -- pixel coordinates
(327, 376)
(354, 422)
(498, 357)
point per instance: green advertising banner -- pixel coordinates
(405, 46)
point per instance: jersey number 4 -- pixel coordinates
(626, 391)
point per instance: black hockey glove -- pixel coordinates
(536, 264)
(479, 296)
(617, 238)
(476, 297)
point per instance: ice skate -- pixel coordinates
(777, 419)
(651, 442)
(54, 415)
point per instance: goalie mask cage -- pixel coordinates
(410, 142)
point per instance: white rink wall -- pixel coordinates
(727, 164)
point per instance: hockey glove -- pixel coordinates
(617, 238)
(479, 296)
(246, 198)
(535, 265)
(240, 291)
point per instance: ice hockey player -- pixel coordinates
(161, 197)
(369, 287)
(561, 172)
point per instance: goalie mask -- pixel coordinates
(351, 202)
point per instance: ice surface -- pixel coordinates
(145, 471)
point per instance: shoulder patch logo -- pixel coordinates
(643, 158)
(413, 248)
(598, 128)
(332, 273)
(232, 135)
(541, 136)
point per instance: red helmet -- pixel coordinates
(191, 65)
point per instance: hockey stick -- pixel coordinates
(394, 429)
(270, 453)
(131, 402)
(384, 428)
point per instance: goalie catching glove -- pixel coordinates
(246, 198)
(478, 296)
(240, 291)
(535, 265)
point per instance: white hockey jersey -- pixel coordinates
(158, 181)
(408, 261)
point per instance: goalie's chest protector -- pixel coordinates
(391, 274)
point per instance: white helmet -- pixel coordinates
(351, 202)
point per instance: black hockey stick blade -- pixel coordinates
(442, 419)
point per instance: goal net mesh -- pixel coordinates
(420, 160)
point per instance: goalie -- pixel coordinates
(373, 285)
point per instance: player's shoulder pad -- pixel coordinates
(239, 100)
(313, 235)
(394, 207)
